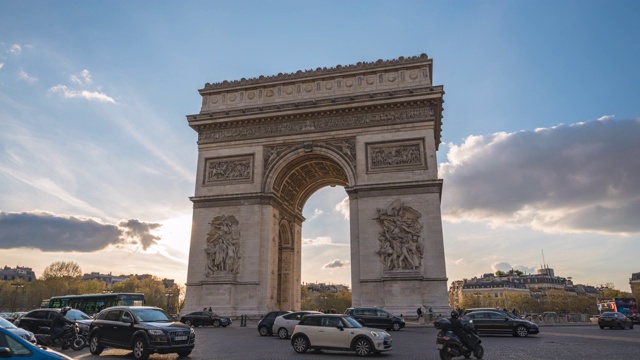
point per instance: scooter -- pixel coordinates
(449, 344)
(71, 337)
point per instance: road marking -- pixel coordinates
(596, 337)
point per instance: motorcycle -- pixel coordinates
(71, 337)
(451, 346)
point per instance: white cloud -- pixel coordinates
(505, 267)
(580, 178)
(322, 240)
(316, 213)
(15, 49)
(26, 77)
(343, 207)
(1, 66)
(336, 263)
(83, 78)
(83, 94)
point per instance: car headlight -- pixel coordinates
(375, 334)
(192, 331)
(155, 332)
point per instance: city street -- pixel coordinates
(554, 342)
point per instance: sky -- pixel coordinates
(540, 155)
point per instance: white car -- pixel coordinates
(338, 332)
(283, 325)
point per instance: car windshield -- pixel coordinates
(352, 322)
(151, 315)
(6, 324)
(75, 315)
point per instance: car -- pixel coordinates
(283, 324)
(35, 319)
(494, 322)
(377, 318)
(338, 332)
(27, 335)
(144, 329)
(14, 346)
(203, 318)
(266, 322)
(466, 311)
(15, 315)
(613, 319)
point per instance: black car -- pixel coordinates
(35, 319)
(203, 318)
(144, 329)
(377, 318)
(499, 322)
(614, 320)
(266, 322)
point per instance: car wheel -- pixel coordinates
(140, 349)
(78, 343)
(216, 323)
(263, 331)
(522, 331)
(467, 354)
(94, 345)
(188, 322)
(300, 344)
(631, 327)
(478, 352)
(396, 326)
(363, 347)
(444, 354)
(184, 353)
(601, 327)
(283, 333)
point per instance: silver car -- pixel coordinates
(283, 325)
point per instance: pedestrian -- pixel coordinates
(420, 319)
(430, 313)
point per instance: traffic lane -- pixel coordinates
(581, 342)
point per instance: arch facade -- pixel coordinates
(265, 145)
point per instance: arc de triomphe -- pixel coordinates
(266, 144)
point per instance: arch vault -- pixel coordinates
(265, 145)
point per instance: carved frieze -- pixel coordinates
(399, 237)
(344, 146)
(393, 156)
(223, 247)
(225, 169)
(321, 123)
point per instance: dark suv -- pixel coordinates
(377, 318)
(144, 329)
(266, 322)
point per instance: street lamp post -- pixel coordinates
(15, 294)
(168, 295)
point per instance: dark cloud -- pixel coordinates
(140, 232)
(583, 177)
(336, 264)
(49, 232)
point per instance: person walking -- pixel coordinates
(420, 319)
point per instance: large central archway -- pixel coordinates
(266, 145)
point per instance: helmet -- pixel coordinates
(455, 314)
(65, 309)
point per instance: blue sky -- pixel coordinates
(539, 144)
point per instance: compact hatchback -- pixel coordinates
(614, 320)
(283, 324)
(338, 332)
(265, 324)
(145, 330)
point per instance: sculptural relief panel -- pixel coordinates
(223, 170)
(399, 238)
(223, 247)
(406, 155)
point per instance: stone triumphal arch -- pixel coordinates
(266, 144)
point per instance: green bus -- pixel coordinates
(93, 303)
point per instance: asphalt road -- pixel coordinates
(553, 342)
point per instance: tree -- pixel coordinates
(500, 273)
(62, 269)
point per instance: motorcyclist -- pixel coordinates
(58, 323)
(459, 329)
